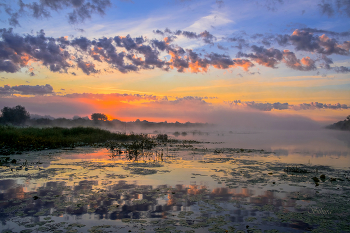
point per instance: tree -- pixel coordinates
(16, 115)
(99, 117)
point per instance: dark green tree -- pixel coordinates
(99, 117)
(16, 115)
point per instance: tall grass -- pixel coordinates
(14, 139)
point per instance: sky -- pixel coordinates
(245, 61)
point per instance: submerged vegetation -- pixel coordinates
(16, 139)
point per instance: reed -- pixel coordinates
(18, 139)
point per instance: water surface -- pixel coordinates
(231, 182)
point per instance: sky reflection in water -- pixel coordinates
(207, 187)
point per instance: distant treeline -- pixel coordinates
(117, 124)
(341, 125)
(19, 116)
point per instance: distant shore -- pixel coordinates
(341, 125)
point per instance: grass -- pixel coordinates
(16, 139)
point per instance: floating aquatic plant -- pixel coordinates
(296, 170)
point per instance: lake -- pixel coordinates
(205, 181)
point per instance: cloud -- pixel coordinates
(128, 54)
(314, 30)
(266, 42)
(259, 106)
(222, 47)
(344, 7)
(158, 32)
(330, 46)
(186, 101)
(319, 43)
(317, 105)
(271, 57)
(87, 67)
(266, 57)
(327, 62)
(282, 40)
(194, 63)
(342, 69)
(7, 90)
(326, 9)
(215, 19)
(190, 35)
(241, 43)
(16, 52)
(270, 5)
(206, 36)
(80, 9)
(306, 41)
(112, 96)
(285, 106)
(219, 3)
(305, 64)
(224, 62)
(341, 7)
(8, 66)
(83, 43)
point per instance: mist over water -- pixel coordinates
(318, 146)
(313, 140)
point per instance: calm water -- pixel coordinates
(232, 182)
(319, 147)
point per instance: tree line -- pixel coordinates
(341, 125)
(19, 116)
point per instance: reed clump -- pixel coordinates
(18, 139)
